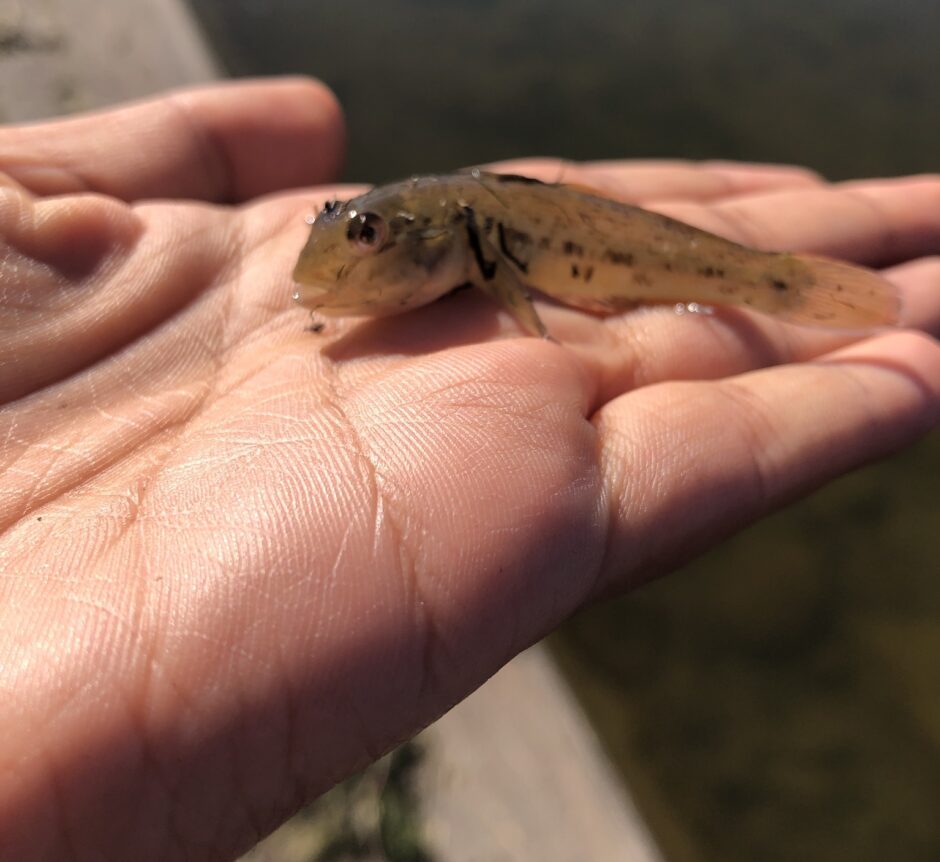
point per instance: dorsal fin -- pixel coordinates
(517, 178)
(592, 191)
(583, 189)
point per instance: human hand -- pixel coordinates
(239, 560)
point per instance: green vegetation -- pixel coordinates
(371, 817)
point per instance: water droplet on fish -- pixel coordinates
(693, 308)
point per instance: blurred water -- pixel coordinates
(851, 87)
(781, 697)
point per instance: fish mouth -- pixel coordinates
(310, 295)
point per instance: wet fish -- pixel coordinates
(403, 245)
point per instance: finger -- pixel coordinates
(224, 142)
(655, 344)
(643, 181)
(727, 452)
(919, 284)
(876, 222)
(83, 275)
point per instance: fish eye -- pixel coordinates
(367, 231)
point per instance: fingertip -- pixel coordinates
(272, 134)
(919, 284)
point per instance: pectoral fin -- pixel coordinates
(512, 294)
(498, 279)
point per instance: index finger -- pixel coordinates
(642, 181)
(223, 142)
(875, 222)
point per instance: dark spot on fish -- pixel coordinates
(588, 274)
(518, 178)
(707, 271)
(315, 327)
(518, 236)
(575, 273)
(488, 224)
(545, 242)
(619, 257)
(839, 288)
(778, 284)
(572, 248)
(642, 279)
(487, 267)
(667, 266)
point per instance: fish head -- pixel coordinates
(380, 253)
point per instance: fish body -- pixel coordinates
(403, 245)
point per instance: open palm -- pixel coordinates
(239, 559)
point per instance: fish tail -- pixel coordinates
(831, 293)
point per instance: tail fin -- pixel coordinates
(842, 295)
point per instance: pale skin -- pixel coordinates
(239, 559)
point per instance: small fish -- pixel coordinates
(403, 245)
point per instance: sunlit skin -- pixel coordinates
(239, 559)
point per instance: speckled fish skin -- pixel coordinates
(505, 234)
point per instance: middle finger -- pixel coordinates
(655, 344)
(875, 222)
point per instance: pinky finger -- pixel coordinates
(686, 464)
